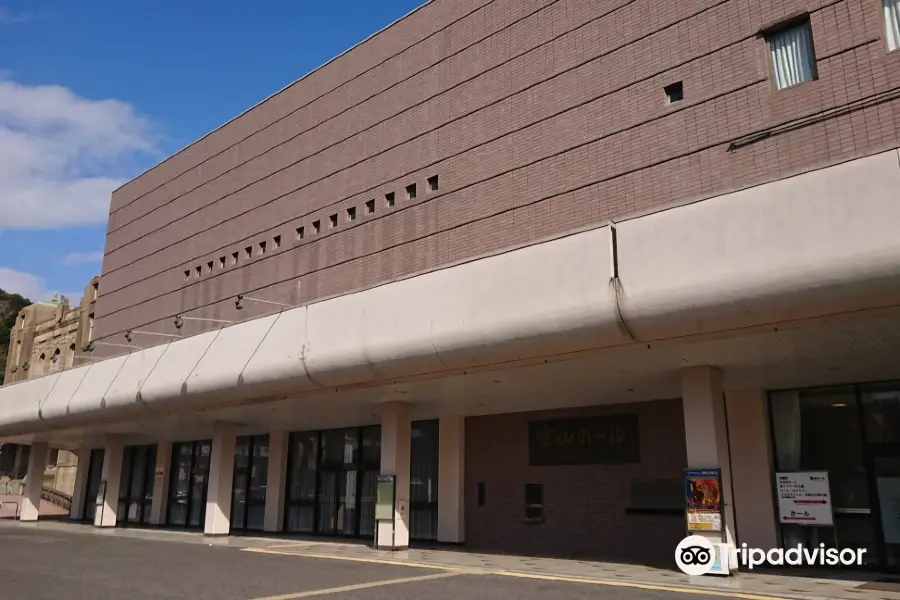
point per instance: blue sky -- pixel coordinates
(92, 93)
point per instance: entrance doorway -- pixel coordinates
(251, 472)
(95, 474)
(188, 484)
(853, 432)
(136, 485)
(332, 477)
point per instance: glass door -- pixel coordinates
(251, 471)
(886, 460)
(303, 463)
(199, 480)
(881, 413)
(95, 474)
(136, 485)
(338, 483)
(187, 484)
(820, 430)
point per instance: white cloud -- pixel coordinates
(79, 258)
(61, 155)
(31, 286)
(7, 17)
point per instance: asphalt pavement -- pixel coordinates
(55, 565)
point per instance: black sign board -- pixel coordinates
(605, 440)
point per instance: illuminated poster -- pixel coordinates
(703, 500)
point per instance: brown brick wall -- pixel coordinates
(539, 117)
(584, 506)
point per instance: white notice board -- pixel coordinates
(804, 498)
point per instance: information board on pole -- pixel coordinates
(384, 498)
(804, 498)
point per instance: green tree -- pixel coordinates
(10, 305)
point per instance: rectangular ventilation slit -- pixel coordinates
(317, 226)
(300, 233)
(199, 271)
(209, 267)
(389, 199)
(332, 220)
(411, 191)
(221, 262)
(187, 274)
(248, 251)
(276, 242)
(433, 183)
(351, 213)
(370, 207)
(262, 247)
(234, 258)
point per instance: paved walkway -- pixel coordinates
(748, 586)
(11, 506)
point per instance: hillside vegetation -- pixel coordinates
(10, 305)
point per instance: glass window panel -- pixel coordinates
(149, 476)
(127, 455)
(95, 473)
(138, 471)
(180, 483)
(371, 447)
(300, 519)
(819, 429)
(367, 503)
(303, 460)
(793, 59)
(424, 462)
(881, 412)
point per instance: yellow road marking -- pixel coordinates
(483, 571)
(380, 561)
(643, 586)
(358, 586)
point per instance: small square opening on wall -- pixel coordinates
(317, 226)
(411, 191)
(332, 220)
(262, 247)
(370, 207)
(351, 213)
(276, 242)
(674, 92)
(234, 258)
(433, 183)
(300, 232)
(389, 199)
(534, 502)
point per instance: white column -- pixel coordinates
(34, 482)
(110, 478)
(706, 435)
(76, 510)
(161, 483)
(752, 468)
(221, 476)
(275, 481)
(451, 479)
(396, 423)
